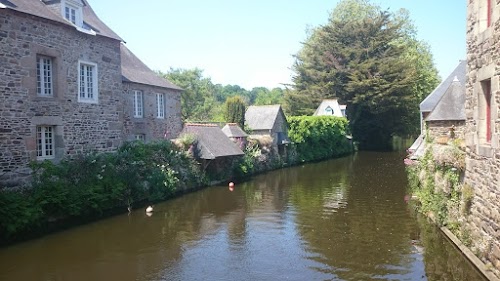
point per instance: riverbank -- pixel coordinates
(437, 181)
(92, 186)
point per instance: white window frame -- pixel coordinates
(90, 87)
(138, 104)
(45, 142)
(160, 105)
(77, 7)
(45, 76)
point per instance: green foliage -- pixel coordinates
(235, 111)
(18, 213)
(88, 185)
(369, 59)
(246, 165)
(198, 98)
(439, 189)
(266, 97)
(319, 137)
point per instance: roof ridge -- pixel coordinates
(200, 125)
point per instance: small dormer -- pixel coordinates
(329, 110)
(72, 11)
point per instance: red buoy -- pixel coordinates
(231, 186)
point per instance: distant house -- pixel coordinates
(213, 147)
(444, 108)
(330, 107)
(235, 133)
(443, 111)
(69, 85)
(269, 120)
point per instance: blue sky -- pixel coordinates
(251, 42)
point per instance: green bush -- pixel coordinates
(89, 184)
(319, 137)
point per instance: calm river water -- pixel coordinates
(343, 219)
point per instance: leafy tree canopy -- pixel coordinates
(370, 60)
(201, 100)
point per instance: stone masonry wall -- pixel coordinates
(442, 128)
(483, 157)
(78, 126)
(151, 126)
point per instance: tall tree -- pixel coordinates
(369, 59)
(235, 110)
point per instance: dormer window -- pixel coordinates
(329, 110)
(72, 11)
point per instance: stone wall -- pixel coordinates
(439, 129)
(100, 125)
(150, 125)
(483, 156)
(78, 126)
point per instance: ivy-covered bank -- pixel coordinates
(436, 182)
(92, 185)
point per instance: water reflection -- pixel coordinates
(343, 219)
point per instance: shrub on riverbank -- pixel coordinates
(436, 181)
(319, 137)
(89, 184)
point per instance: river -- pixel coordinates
(342, 219)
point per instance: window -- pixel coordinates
(71, 10)
(138, 104)
(160, 102)
(44, 76)
(140, 137)
(45, 142)
(329, 110)
(87, 82)
(70, 13)
(484, 103)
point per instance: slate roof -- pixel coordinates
(232, 130)
(430, 102)
(134, 70)
(40, 9)
(262, 117)
(212, 142)
(333, 104)
(452, 103)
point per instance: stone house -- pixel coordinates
(215, 150)
(330, 107)
(62, 87)
(443, 110)
(236, 134)
(270, 121)
(482, 133)
(153, 104)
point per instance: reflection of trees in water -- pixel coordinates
(442, 260)
(367, 234)
(349, 213)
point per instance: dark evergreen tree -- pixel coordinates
(370, 60)
(235, 110)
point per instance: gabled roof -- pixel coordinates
(40, 9)
(452, 103)
(232, 130)
(329, 103)
(211, 141)
(134, 70)
(262, 117)
(430, 102)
